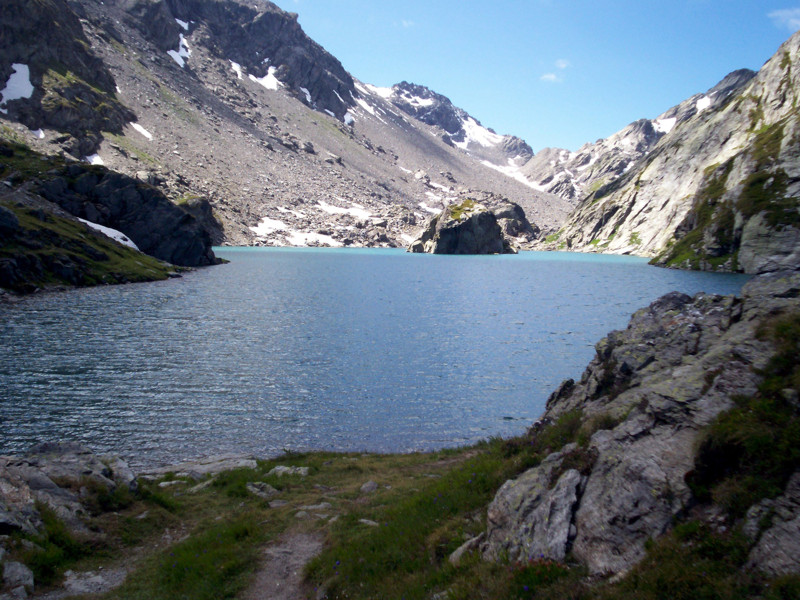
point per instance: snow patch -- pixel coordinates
(665, 125)
(404, 170)
(703, 104)
(38, 133)
(269, 80)
(363, 104)
(288, 211)
(407, 238)
(302, 238)
(348, 118)
(94, 159)
(479, 134)
(182, 53)
(267, 226)
(427, 208)
(112, 233)
(307, 94)
(183, 24)
(513, 172)
(383, 92)
(358, 211)
(338, 96)
(237, 68)
(330, 113)
(18, 85)
(142, 130)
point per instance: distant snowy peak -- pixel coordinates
(460, 129)
(573, 175)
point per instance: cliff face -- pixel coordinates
(657, 422)
(718, 192)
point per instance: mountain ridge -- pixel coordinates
(718, 192)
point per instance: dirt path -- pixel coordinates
(280, 577)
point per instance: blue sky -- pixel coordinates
(554, 72)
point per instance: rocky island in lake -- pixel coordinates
(487, 224)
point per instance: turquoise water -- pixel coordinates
(374, 350)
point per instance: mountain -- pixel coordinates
(459, 128)
(718, 191)
(232, 102)
(573, 175)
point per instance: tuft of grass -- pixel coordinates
(553, 237)
(693, 562)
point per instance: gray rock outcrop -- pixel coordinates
(485, 226)
(646, 399)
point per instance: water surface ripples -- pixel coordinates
(315, 349)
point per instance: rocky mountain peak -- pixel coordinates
(574, 175)
(267, 43)
(459, 127)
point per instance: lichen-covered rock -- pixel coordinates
(651, 391)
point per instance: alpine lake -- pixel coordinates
(301, 349)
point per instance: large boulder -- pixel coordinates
(472, 226)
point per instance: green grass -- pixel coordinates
(98, 259)
(457, 211)
(130, 147)
(211, 564)
(54, 549)
(553, 237)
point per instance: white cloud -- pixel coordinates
(562, 63)
(406, 23)
(550, 77)
(787, 17)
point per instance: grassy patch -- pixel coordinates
(553, 237)
(130, 147)
(54, 549)
(211, 564)
(690, 563)
(64, 251)
(461, 210)
(635, 238)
